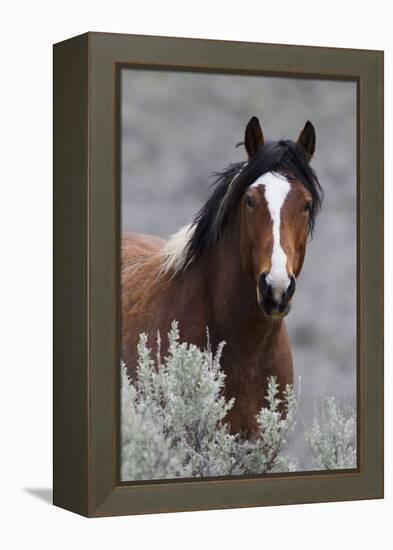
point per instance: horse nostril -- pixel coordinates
(291, 289)
(263, 285)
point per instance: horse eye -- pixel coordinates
(307, 207)
(250, 202)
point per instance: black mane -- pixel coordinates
(283, 156)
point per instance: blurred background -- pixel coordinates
(179, 128)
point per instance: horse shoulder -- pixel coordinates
(141, 287)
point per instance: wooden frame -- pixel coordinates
(86, 263)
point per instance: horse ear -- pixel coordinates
(306, 139)
(253, 138)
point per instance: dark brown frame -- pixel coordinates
(86, 267)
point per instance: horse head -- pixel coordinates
(277, 212)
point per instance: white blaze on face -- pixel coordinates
(276, 189)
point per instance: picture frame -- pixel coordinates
(87, 261)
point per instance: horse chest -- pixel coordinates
(248, 365)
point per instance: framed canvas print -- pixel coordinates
(218, 260)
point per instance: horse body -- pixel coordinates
(206, 297)
(239, 288)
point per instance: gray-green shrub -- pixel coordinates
(172, 421)
(332, 438)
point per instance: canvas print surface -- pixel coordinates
(238, 275)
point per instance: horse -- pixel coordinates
(233, 269)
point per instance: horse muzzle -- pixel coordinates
(275, 303)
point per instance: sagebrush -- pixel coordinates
(332, 438)
(173, 420)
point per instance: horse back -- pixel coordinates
(138, 246)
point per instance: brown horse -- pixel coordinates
(232, 270)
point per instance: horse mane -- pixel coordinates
(210, 222)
